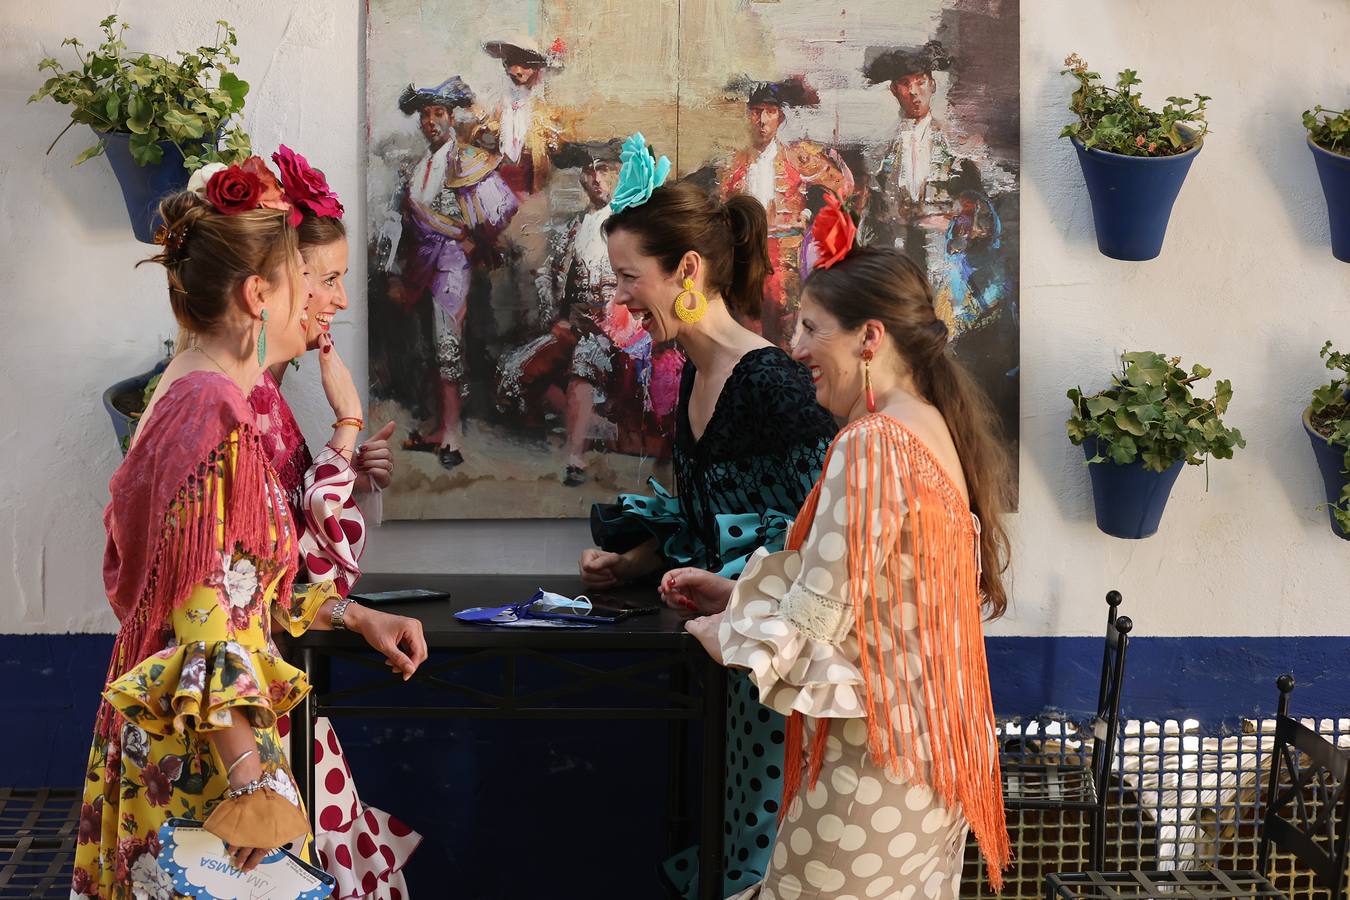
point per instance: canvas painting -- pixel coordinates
(522, 390)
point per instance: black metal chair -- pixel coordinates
(39, 828)
(1072, 786)
(1307, 815)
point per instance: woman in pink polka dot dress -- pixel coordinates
(363, 847)
(866, 630)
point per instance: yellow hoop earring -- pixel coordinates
(690, 314)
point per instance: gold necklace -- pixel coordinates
(213, 361)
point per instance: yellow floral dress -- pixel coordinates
(160, 763)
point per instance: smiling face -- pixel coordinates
(327, 264)
(647, 292)
(765, 120)
(915, 93)
(833, 356)
(436, 124)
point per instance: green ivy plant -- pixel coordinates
(1117, 121)
(1331, 131)
(1329, 415)
(1149, 415)
(190, 102)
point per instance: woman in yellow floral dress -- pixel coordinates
(201, 555)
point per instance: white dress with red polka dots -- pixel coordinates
(364, 848)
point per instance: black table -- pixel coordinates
(659, 638)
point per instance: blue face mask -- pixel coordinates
(546, 602)
(518, 615)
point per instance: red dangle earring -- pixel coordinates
(867, 381)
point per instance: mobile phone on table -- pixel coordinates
(406, 595)
(603, 609)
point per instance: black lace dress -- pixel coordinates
(739, 487)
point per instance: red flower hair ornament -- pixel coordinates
(305, 186)
(251, 185)
(833, 232)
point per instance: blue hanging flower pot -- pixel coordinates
(125, 401)
(1334, 170)
(144, 186)
(1129, 499)
(1330, 462)
(1132, 198)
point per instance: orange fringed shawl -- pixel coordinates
(943, 541)
(197, 480)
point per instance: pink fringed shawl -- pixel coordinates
(164, 519)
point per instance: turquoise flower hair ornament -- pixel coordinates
(640, 174)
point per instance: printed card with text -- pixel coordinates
(197, 862)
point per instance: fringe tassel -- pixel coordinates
(231, 502)
(953, 688)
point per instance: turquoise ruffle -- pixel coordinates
(738, 534)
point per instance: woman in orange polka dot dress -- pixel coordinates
(866, 630)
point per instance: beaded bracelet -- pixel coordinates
(356, 423)
(253, 786)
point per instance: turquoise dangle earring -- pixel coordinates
(262, 339)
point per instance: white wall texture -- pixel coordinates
(1246, 284)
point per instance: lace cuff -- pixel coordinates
(793, 671)
(818, 617)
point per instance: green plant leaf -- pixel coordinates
(146, 150)
(1145, 368)
(1100, 405)
(1129, 423)
(183, 126)
(236, 87)
(1223, 393)
(89, 153)
(1123, 451)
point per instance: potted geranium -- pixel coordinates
(126, 400)
(1134, 159)
(157, 119)
(1329, 141)
(1327, 421)
(1138, 433)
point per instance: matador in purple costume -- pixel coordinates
(452, 207)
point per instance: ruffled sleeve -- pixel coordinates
(296, 617)
(220, 657)
(637, 517)
(332, 530)
(791, 617)
(219, 660)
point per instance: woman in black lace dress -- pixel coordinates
(749, 443)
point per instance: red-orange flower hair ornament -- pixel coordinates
(833, 232)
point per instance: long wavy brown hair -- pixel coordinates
(887, 286)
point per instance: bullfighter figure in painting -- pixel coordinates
(778, 175)
(910, 204)
(524, 127)
(595, 365)
(451, 207)
(526, 130)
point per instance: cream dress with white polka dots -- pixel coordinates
(863, 831)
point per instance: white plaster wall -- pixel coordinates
(1246, 284)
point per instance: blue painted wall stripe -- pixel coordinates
(52, 684)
